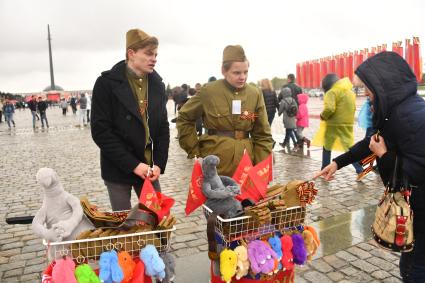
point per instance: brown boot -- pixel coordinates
(307, 142)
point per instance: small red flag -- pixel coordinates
(195, 197)
(241, 173)
(255, 185)
(159, 203)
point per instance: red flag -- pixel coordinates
(255, 185)
(195, 197)
(241, 173)
(160, 204)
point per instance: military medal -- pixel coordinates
(247, 115)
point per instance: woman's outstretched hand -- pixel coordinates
(328, 172)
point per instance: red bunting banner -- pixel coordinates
(241, 172)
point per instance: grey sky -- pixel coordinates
(89, 36)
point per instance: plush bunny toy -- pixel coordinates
(61, 216)
(220, 190)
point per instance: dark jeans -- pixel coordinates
(43, 118)
(290, 134)
(120, 194)
(270, 117)
(64, 111)
(326, 160)
(88, 115)
(412, 264)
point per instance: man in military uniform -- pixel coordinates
(129, 121)
(234, 117)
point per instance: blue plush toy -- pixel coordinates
(154, 265)
(110, 271)
(276, 245)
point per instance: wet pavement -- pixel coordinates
(342, 211)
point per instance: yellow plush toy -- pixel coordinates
(310, 244)
(242, 268)
(228, 263)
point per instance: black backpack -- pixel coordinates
(292, 110)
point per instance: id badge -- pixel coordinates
(236, 107)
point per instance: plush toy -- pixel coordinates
(314, 233)
(170, 267)
(127, 265)
(219, 190)
(63, 271)
(85, 274)
(60, 216)
(109, 269)
(228, 263)
(139, 273)
(287, 257)
(154, 265)
(261, 257)
(310, 244)
(242, 268)
(277, 248)
(298, 250)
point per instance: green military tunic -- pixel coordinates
(139, 87)
(214, 105)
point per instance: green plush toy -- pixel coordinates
(85, 274)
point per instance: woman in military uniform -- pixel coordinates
(234, 116)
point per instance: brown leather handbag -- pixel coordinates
(393, 225)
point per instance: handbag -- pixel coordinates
(392, 228)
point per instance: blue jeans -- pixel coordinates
(326, 160)
(34, 117)
(43, 118)
(9, 118)
(290, 134)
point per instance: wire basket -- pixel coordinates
(234, 229)
(89, 250)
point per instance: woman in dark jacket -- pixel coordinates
(399, 115)
(270, 99)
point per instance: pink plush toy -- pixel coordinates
(63, 271)
(261, 257)
(287, 257)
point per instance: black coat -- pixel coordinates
(270, 100)
(117, 127)
(400, 118)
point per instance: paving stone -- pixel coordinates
(361, 277)
(335, 262)
(197, 243)
(382, 264)
(186, 252)
(34, 277)
(366, 247)
(380, 274)
(391, 280)
(359, 252)
(377, 252)
(349, 271)
(314, 276)
(35, 268)
(345, 256)
(13, 272)
(321, 266)
(335, 276)
(364, 265)
(12, 265)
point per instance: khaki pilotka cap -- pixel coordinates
(135, 36)
(233, 53)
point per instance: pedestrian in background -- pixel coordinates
(83, 110)
(336, 131)
(270, 99)
(9, 110)
(288, 109)
(42, 107)
(32, 105)
(88, 107)
(1, 109)
(64, 106)
(302, 121)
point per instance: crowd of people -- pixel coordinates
(227, 117)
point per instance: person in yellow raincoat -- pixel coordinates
(337, 118)
(233, 113)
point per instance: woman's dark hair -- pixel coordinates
(328, 81)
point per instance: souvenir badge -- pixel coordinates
(143, 105)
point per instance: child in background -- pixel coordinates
(302, 121)
(9, 110)
(288, 107)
